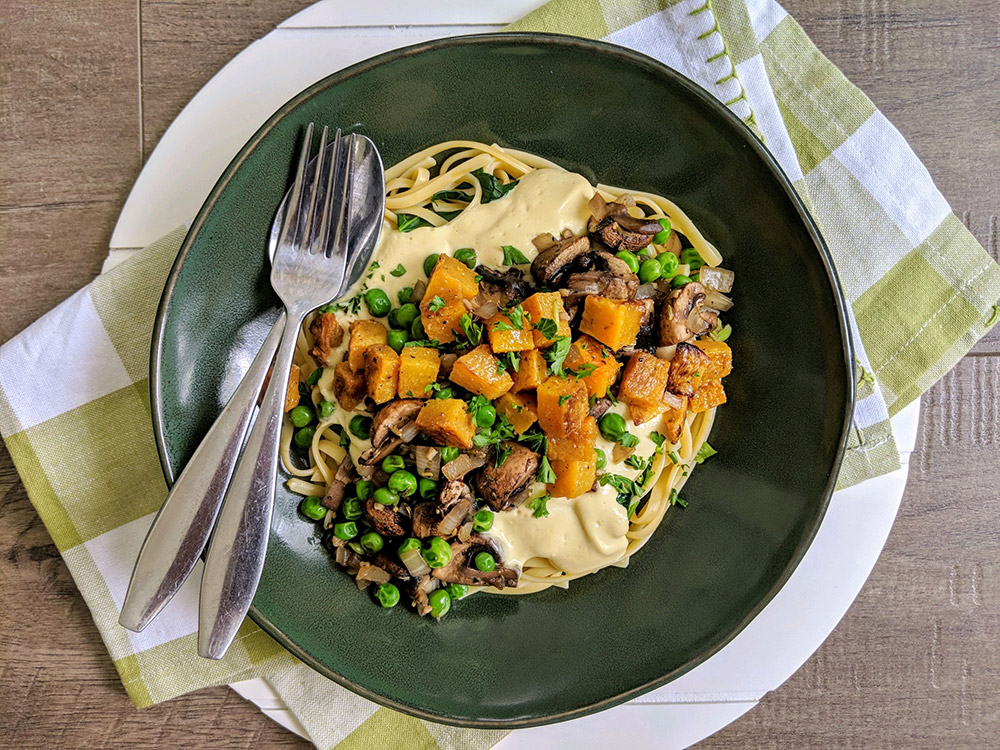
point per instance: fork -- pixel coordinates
(304, 274)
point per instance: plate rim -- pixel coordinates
(750, 139)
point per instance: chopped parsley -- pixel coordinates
(475, 405)
(493, 189)
(500, 431)
(473, 331)
(628, 440)
(705, 451)
(721, 333)
(636, 462)
(660, 440)
(435, 304)
(545, 473)
(516, 317)
(676, 499)
(564, 398)
(626, 488)
(674, 457)
(538, 505)
(536, 441)
(409, 222)
(556, 355)
(508, 361)
(583, 370)
(431, 343)
(503, 453)
(547, 327)
(513, 257)
(314, 376)
(398, 270)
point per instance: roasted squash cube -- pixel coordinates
(348, 386)
(546, 305)
(381, 373)
(451, 282)
(418, 368)
(613, 322)
(505, 338)
(589, 355)
(710, 395)
(644, 380)
(479, 372)
(292, 394)
(642, 413)
(673, 421)
(578, 445)
(531, 371)
(364, 333)
(520, 409)
(575, 477)
(687, 369)
(445, 323)
(562, 406)
(327, 336)
(447, 421)
(721, 356)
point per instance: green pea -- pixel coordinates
(386, 496)
(440, 603)
(602, 458)
(650, 271)
(467, 256)
(346, 531)
(405, 294)
(680, 280)
(361, 427)
(445, 392)
(371, 542)
(486, 416)
(427, 488)
(668, 263)
(630, 260)
(485, 562)
(326, 409)
(429, 262)
(483, 520)
(417, 332)
(436, 552)
(301, 415)
(365, 488)
(355, 547)
(351, 509)
(449, 453)
(314, 376)
(312, 507)
(663, 235)
(387, 595)
(456, 590)
(403, 483)
(410, 543)
(304, 437)
(693, 258)
(612, 426)
(406, 314)
(397, 339)
(392, 463)
(377, 302)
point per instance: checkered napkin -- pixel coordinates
(922, 291)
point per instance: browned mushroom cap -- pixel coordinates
(502, 288)
(686, 369)
(503, 486)
(461, 569)
(391, 427)
(610, 277)
(551, 264)
(419, 589)
(431, 519)
(391, 565)
(616, 228)
(684, 315)
(600, 407)
(454, 492)
(385, 519)
(335, 492)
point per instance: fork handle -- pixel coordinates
(181, 528)
(239, 543)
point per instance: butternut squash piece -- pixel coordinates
(418, 368)
(642, 413)
(348, 386)
(506, 338)
(562, 406)
(327, 335)
(531, 371)
(520, 409)
(364, 333)
(573, 478)
(644, 380)
(445, 323)
(575, 446)
(721, 356)
(710, 395)
(446, 421)
(450, 282)
(673, 421)
(381, 373)
(687, 369)
(548, 305)
(612, 322)
(292, 394)
(479, 372)
(587, 354)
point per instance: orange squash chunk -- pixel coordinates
(381, 373)
(451, 282)
(531, 372)
(562, 406)
(573, 478)
(708, 396)
(721, 356)
(588, 354)
(292, 394)
(446, 421)
(644, 380)
(611, 321)
(687, 369)
(673, 421)
(520, 409)
(578, 445)
(546, 305)
(642, 413)
(348, 386)
(364, 333)
(445, 323)
(418, 368)
(478, 371)
(509, 339)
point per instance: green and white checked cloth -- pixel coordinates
(922, 292)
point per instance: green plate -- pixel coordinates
(617, 117)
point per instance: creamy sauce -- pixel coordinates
(579, 534)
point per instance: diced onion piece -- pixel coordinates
(407, 430)
(414, 562)
(543, 241)
(620, 453)
(717, 301)
(717, 279)
(696, 323)
(486, 310)
(598, 206)
(465, 532)
(365, 471)
(418, 292)
(462, 465)
(626, 200)
(666, 352)
(373, 573)
(328, 520)
(428, 462)
(453, 519)
(646, 291)
(672, 400)
(684, 270)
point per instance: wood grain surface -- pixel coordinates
(89, 87)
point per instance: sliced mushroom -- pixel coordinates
(431, 519)
(687, 369)
(504, 486)
(391, 565)
(617, 228)
(600, 407)
(502, 288)
(601, 273)
(385, 519)
(550, 265)
(390, 427)
(419, 590)
(684, 315)
(454, 492)
(461, 569)
(335, 492)
(327, 335)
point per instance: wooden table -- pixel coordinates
(88, 89)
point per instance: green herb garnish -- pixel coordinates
(512, 256)
(538, 505)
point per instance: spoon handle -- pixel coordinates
(181, 528)
(239, 543)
